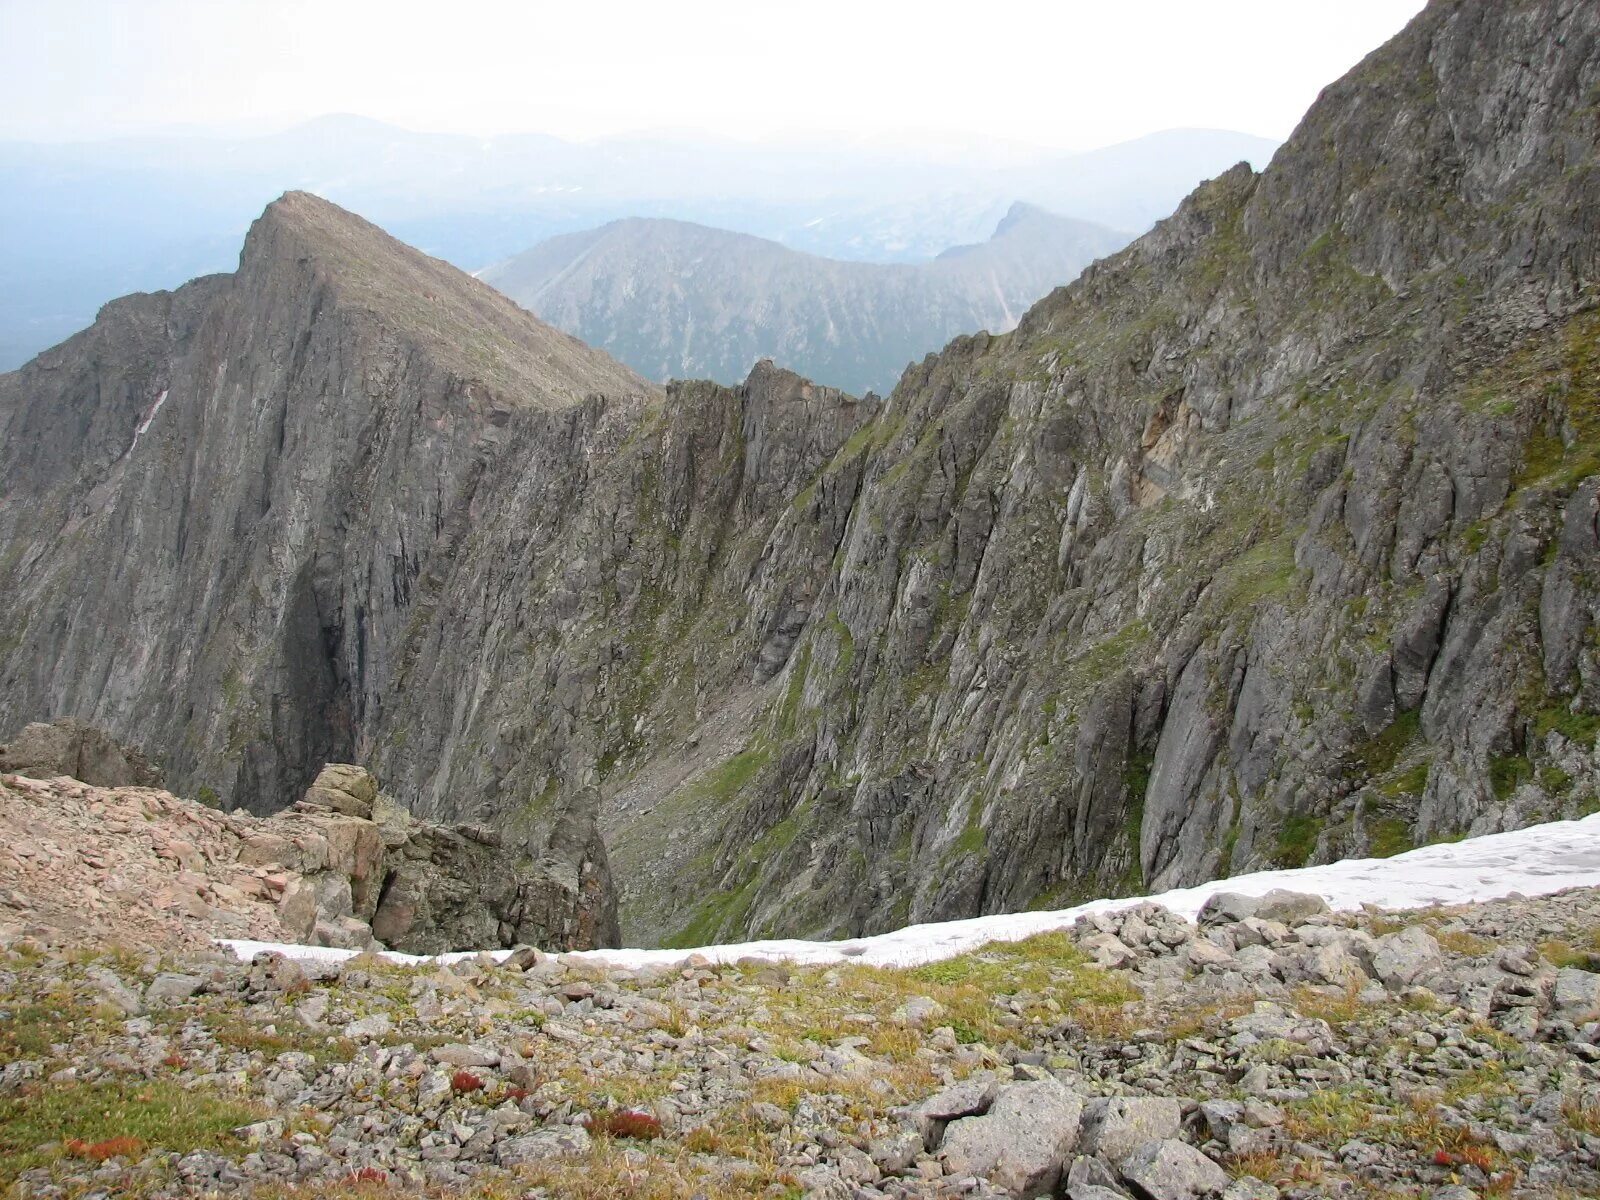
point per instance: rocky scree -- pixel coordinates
(1288, 1053)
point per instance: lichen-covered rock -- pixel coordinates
(1406, 957)
(1115, 1127)
(1173, 1170)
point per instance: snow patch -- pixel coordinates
(1535, 861)
(148, 417)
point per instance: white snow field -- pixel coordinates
(1535, 861)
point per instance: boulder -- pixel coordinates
(1577, 995)
(1114, 1127)
(1021, 1143)
(559, 1141)
(169, 988)
(1169, 1169)
(1290, 907)
(343, 788)
(968, 1098)
(1227, 908)
(1402, 959)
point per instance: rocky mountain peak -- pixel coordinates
(302, 241)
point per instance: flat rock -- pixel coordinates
(169, 988)
(556, 1142)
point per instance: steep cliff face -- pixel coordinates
(1271, 539)
(1265, 541)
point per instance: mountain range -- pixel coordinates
(82, 223)
(676, 300)
(1270, 539)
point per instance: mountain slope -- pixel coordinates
(1269, 540)
(675, 300)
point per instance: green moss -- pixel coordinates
(789, 710)
(36, 1125)
(1388, 837)
(1508, 772)
(207, 795)
(1410, 782)
(1555, 781)
(1296, 840)
(726, 780)
(1379, 753)
(1046, 962)
(847, 644)
(973, 839)
(1578, 728)
(717, 913)
(1265, 571)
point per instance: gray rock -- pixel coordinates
(378, 1025)
(458, 1055)
(561, 1141)
(1091, 1178)
(169, 989)
(1249, 1188)
(110, 989)
(1021, 1143)
(1406, 957)
(1576, 997)
(1226, 908)
(1289, 907)
(970, 1097)
(1113, 1127)
(1173, 1170)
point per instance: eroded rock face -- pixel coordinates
(1270, 539)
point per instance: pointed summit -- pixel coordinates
(465, 326)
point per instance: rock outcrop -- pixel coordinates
(136, 865)
(1270, 539)
(44, 750)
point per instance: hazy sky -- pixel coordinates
(1072, 74)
